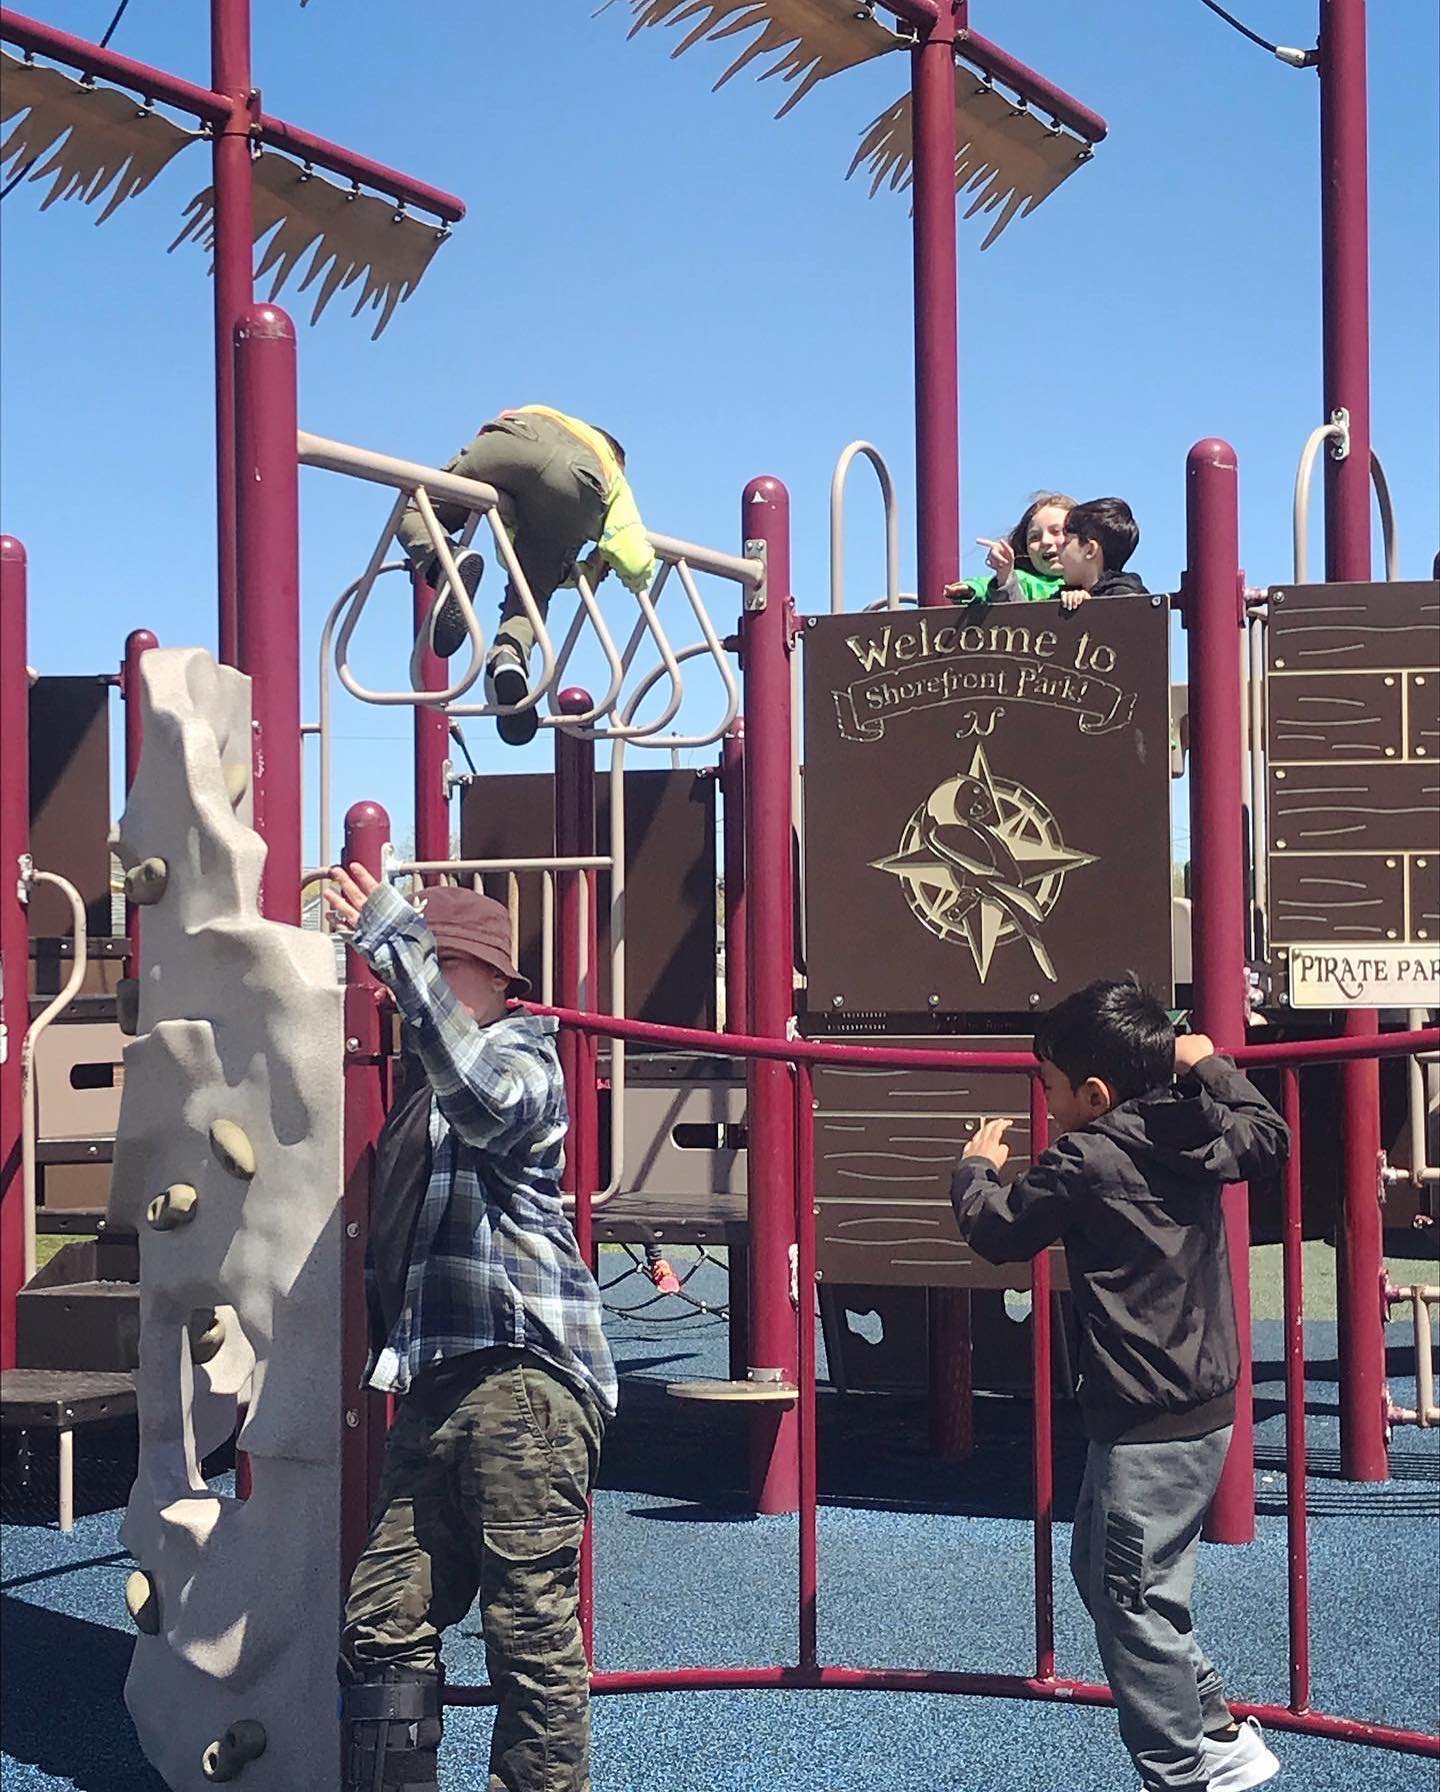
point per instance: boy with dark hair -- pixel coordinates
(492, 1334)
(1100, 537)
(1151, 1129)
(563, 482)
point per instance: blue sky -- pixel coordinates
(700, 278)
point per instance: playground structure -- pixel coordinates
(775, 1374)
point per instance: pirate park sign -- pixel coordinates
(987, 806)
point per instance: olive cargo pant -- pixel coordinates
(556, 503)
(484, 1490)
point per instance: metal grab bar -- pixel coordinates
(29, 877)
(1337, 430)
(837, 525)
(1420, 1299)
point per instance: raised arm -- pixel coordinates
(1011, 1225)
(1258, 1138)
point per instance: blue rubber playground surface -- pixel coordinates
(922, 1564)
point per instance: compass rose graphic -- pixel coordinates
(982, 860)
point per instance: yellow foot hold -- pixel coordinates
(145, 883)
(237, 782)
(142, 1601)
(207, 1334)
(176, 1207)
(242, 1743)
(231, 1144)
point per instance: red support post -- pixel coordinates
(1298, 1577)
(1214, 618)
(139, 641)
(807, 1214)
(766, 642)
(1042, 1442)
(268, 569)
(575, 946)
(737, 998)
(362, 1439)
(14, 926)
(234, 282)
(1345, 275)
(937, 371)
(432, 745)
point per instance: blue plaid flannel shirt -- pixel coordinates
(494, 1260)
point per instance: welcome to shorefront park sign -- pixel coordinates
(987, 806)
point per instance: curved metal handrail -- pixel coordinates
(1337, 430)
(837, 525)
(29, 877)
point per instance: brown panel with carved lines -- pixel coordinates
(1355, 628)
(1317, 716)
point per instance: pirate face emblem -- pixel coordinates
(982, 862)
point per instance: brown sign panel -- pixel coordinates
(987, 805)
(670, 906)
(1353, 699)
(886, 1144)
(70, 801)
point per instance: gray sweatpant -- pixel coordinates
(555, 489)
(1137, 1528)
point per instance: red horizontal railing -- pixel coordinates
(808, 1673)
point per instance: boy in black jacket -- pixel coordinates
(1152, 1128)
(1100, 537)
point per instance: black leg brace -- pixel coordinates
(392, 1732)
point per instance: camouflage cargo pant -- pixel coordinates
(484, 1491)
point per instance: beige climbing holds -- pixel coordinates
(231, 1144)
(207, 1334)
(242, 1743)
(237, 782)
(145, 883)
(176, 1207)
(127, 1006)
(142, 1601)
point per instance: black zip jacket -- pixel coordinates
(1119, 584)
(1135, 1198)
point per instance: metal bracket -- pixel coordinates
(1340, 445)
(26, 878)
(794, 1255)
(756, 549)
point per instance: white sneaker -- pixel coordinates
(1246, 1761)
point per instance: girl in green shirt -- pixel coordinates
(1024, 566)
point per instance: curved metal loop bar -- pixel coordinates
(1338, 431)
(445, 554)
(837, 526)
(323, 730)
(669, 665)
(27, 1053)
(1387, 516)
(675, 742)
(589, 606)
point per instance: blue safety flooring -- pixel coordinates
(922, 1564)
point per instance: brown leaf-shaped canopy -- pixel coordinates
(1004, 154)
(351, 233)
(808, 40)
(97, 139)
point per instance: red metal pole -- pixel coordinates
(575, 838)
(806, 1214)
(951, 1402)
(362, 1439)
(1295, 1492)
(1214, 617)
(268, 567)
(432, 746)
(766, 643)
(1042, 1441)
(1345, 274)
(14, 927)
(234, 280)
(937, 371)
(139, 641)
(737, 999)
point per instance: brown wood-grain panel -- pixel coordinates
(1355, 808)
(1322, 716)
(1355, 627)
(1332, 898)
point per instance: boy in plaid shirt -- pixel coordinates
(506, 1376)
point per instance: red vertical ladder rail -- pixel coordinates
(14, 926)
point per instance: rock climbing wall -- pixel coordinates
(228, 1164)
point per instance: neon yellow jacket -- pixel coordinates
(623, 539)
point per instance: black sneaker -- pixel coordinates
(506, 682)
(447, 620)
